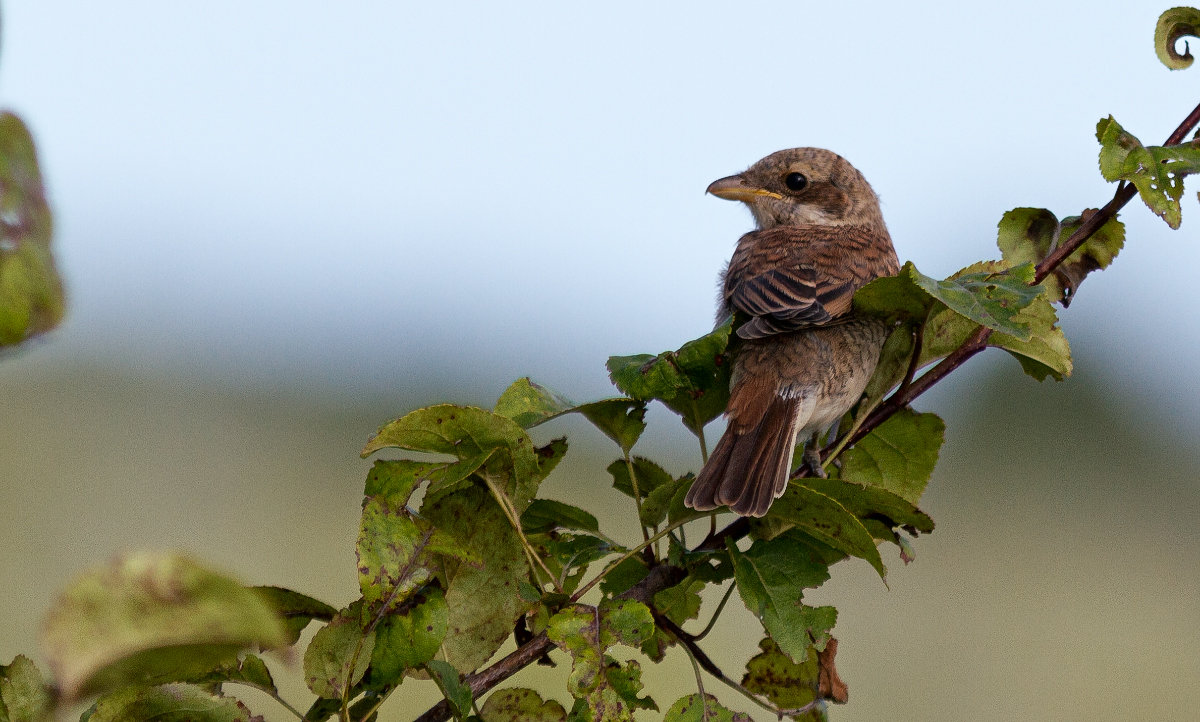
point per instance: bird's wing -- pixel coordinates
(788, 299)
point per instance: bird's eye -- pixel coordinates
(795, 181)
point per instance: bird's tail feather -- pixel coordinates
(749, 470)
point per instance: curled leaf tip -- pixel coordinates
(1176, 23)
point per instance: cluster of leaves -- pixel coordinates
(460, 550)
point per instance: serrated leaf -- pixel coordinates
(657, 503)
(31, 293)
(680, 602)
(622, 420)
(829, 522)
(894, 296)
(170, 703)
(1028, 235)
(899, 455)
(1156, 171)
(1047, 352)
(893, 363)
(789, 685)
(871, 502)
(148, 617)
(483, 600)
(1173, 25)
(339, 653)
(771, 577)
(295, 609)
(649, 476)
(988, 294)
(394, 558)
(623, 576)
(251, 672)
(409, 639)
(692, 381)
(530, 404)
(543, 515)
(586, 633)
(457, 693)
(520, 705)
(694, 708)
(23, 693)
(503, 450)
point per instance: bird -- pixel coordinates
(801, 355)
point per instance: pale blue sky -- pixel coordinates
(300, 191)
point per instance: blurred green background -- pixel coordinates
(283, 225)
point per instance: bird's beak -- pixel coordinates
(735, 188)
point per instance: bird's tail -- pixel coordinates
(749, 469)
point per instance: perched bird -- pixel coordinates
(802, 357)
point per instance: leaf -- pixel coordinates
(622, 420)
(1173, 25)
(147, 617)
(586, 633)
(898, 456)
(1156, 171)
(457, 693)
(1028, 235)
(871, 502)
(251, 672)
(657, 504)
(338, 655)
(530, 404)
(170, 703)
(692, 381)
(771, 577)
(31, 293)
(649, 475)
(396, 554)
(520, 705)
(829, 522)
(410, 639)
(543, 515)
(988, 294)
(497, 446)
(1047, 352)
(693, 708)
(893, 363)
(787, 684)
(23, 693)
(296, 609)
(897, 297)
(623, 576)
(680, 602)
(483, 600)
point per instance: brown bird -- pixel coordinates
(802, 357)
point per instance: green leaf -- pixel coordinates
(623, 576)
(693, 708)
(622, 420)
(31, 293)
(680, 602)
(483, 600)
(147, 617)
(457, 693)
(787, 684)
(1173, 25)
(897, 297)
(649, 475)
(339, 653)
(873, 503)
(1028, 235)
(23, 693)
(520, 705)
(658, 502)
(692, 381)
(1047, 352)
(396, 554)
(530, 404)
(893, 363)
(170, 703)
(497, 446)
(410, 639)
(251, 672)
(829, 522)
(1156, 171)
(586, 633)
(988, 294)
(771, 577)
(295, 609)
(898, 456)
(543, 515)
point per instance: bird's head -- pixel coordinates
(803, 186)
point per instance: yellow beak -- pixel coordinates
(734, 188)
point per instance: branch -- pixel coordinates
(665, 575)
